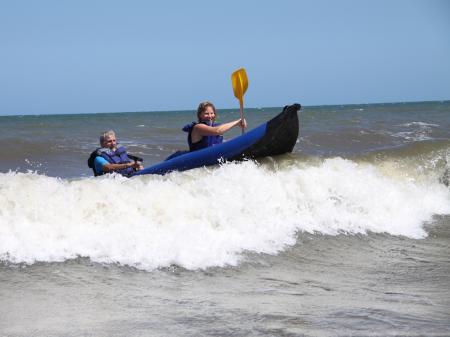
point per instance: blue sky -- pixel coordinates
(101, 56)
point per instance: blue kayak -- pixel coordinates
(275, 137)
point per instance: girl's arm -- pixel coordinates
(206, 130)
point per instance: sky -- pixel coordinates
(115, 56)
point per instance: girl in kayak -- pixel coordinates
(206, 132)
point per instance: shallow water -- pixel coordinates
(364, 285)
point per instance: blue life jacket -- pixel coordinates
(206, 141)
(120, 156)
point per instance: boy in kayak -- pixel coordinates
(206, 132)
(111, 158)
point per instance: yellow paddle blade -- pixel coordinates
(240, 83)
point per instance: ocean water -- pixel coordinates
(349, 235)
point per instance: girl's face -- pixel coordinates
(208, 115)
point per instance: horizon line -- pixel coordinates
(189, 110)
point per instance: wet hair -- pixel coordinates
(105, 135)
(202, 108)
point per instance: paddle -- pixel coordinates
(240, 84)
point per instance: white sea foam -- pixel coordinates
(206, 217)
(413, 136)
(421, 132)
(420, 124)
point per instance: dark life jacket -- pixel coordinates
(120, 156)
(206, 141)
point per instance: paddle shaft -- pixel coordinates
(242, 115)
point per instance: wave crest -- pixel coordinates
(206, 217)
